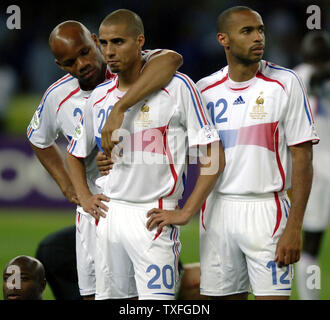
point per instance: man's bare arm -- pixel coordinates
(209, 173)
(290, 243)
(90, 203)
(52, 161)
(156, 74)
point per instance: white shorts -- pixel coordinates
(85, 251)
(133, 261)
(238, 238)
(317, 214)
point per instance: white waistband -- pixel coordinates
(162, 203)
(251, 196)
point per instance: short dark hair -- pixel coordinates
(128, 17)
(223, 18)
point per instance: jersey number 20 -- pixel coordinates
(103, 115)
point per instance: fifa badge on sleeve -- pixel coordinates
(35, 123)
(78, 132)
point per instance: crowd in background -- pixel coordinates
(185, 26)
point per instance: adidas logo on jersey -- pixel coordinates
(239, 100)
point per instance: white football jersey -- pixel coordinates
(61, 110)
(156, 132)
(257, 121)
(320, 104)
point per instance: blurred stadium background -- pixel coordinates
(31, 206)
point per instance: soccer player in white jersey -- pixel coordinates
(263, 117)
(315, 72)
(250, 234)
(131, 260)
(61, 110)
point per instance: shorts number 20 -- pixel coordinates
(164, 276)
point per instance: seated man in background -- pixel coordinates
(57, 252)
(23, 279)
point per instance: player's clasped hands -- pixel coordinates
(94, 205)
(104, 163)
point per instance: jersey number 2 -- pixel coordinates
(77, 111)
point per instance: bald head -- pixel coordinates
(29, 263)
(224, 19)
(76, 51)
(67, 31)
(129, 18)
(23, 279)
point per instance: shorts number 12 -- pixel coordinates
(272, 265)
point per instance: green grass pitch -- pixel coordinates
(21, 231)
